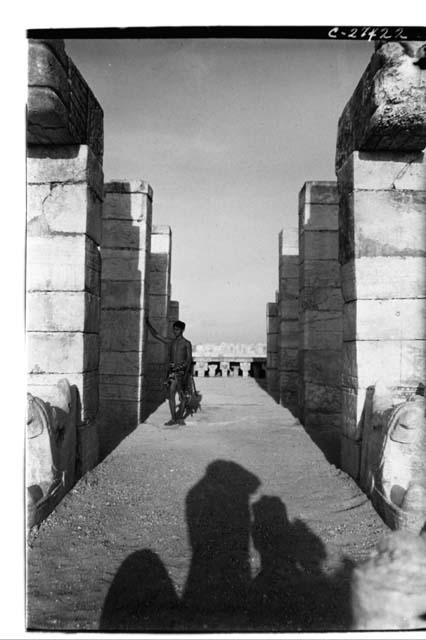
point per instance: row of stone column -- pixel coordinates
(96, 265)
(304, 326)
(64, 228)
(226, 368)
(350, 309)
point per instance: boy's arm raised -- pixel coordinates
(155, 333)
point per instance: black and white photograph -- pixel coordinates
(225, 336)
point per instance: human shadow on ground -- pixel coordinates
(291, 591)
(141, 596)
(218, 520)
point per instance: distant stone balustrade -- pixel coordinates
(229, 359)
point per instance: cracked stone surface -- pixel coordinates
(387, 110)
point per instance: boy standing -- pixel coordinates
(180, 362)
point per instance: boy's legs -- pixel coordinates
(172, 401)
(180, 391)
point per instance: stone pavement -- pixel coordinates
(235, 521)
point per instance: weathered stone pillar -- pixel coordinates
(64, 208)
(272, 339)
(173, 315)
(200, 368)
(212, 370)
(289, 318)
(235, 370)
(321, 306)
(245, 368)
(126, 240)
(381, 173)
(157, 356)
(224, 367)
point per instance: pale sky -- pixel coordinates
(226, 132)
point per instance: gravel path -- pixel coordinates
(234, 521)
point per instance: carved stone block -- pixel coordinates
(393, 454)
(364, 362)
(61, 107)
(381, 224)
(63, 311)
(122, 330)
(124, 264)
(389, 589)
(122, 294)
(50, 451)
(322, 245)
(387, 110)
(62, 352)
(383, 277)
(44, 385)
(392, 319)
(78, 256)
(118, 234)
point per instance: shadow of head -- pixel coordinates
(218, 510)
(229, 474)
(276, 538)
(271, 526)
(140, 595)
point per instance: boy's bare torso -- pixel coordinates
(179, 350)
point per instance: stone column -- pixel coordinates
(224, 367)
(64, 208)
(126, 240)
(212, 370)
(157, 356)
(173, 315)
(200, 367)
(289, 318)
(245, 368)
(272, 339)
(381, 173)
(320, 305)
